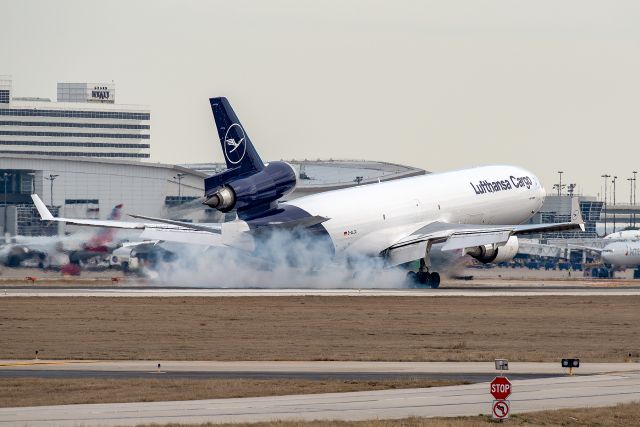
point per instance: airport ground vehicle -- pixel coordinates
(139, 256)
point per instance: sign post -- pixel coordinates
(500, 389)
(570, 363)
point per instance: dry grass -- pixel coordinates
(321, 328)
(37, 391)
(618, 416)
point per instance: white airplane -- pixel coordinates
(620, 254)
(478, 211)
(623, 251)
(629, 234)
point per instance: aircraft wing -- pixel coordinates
(462, 236)
(210, 228)
(588, 248)
(174, 231)
(184, 232)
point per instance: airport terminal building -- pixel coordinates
(87, 187)
(84, 121)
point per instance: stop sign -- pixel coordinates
(500, 388)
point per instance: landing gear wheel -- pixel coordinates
(434, 280)
(412, 279)
(423, 277)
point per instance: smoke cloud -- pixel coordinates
(281, 260)
(298, 259)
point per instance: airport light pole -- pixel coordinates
(51, 178)
(560, 184)
(606, 177)
(630, 199)
(179, 178)
(5, 178)
(614, 202)
(634, 197)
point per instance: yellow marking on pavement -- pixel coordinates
(34, 363)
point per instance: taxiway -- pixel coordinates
(498, 290)
(528, 395)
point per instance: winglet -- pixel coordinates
(42, 208)
(576, 213)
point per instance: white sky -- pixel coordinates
(548, 85)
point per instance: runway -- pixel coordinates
(231, 375)
(497, 290)
(312, 366)
(528, 395)
(462, 371)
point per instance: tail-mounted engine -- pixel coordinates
(488, 253)
(226, 191)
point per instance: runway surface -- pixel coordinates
(528, 395)
(314, 366)
(500, 289)
(228, 375)
(463, 371)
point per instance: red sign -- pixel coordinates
(500, 409)
(500, 388)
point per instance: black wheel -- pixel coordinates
(423, 277)
(125, 267)
(434, 280)
(412, 279)
(13, 261)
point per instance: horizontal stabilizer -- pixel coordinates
(181, 236)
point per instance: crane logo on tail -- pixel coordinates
(235, 145)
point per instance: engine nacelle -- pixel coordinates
(487, 253)
(261, 189)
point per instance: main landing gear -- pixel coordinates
(423, 278)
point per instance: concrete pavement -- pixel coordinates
(528, 395)
(314, 366)
(503, 289)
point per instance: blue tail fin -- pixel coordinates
(237, 148)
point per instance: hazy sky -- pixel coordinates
(547, 85)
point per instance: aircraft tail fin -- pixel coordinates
(239, 152)
(576, 213)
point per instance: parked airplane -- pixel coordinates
(477, 211)
(622, 252)
(626, 234)
(54, 252)
(619, 249)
